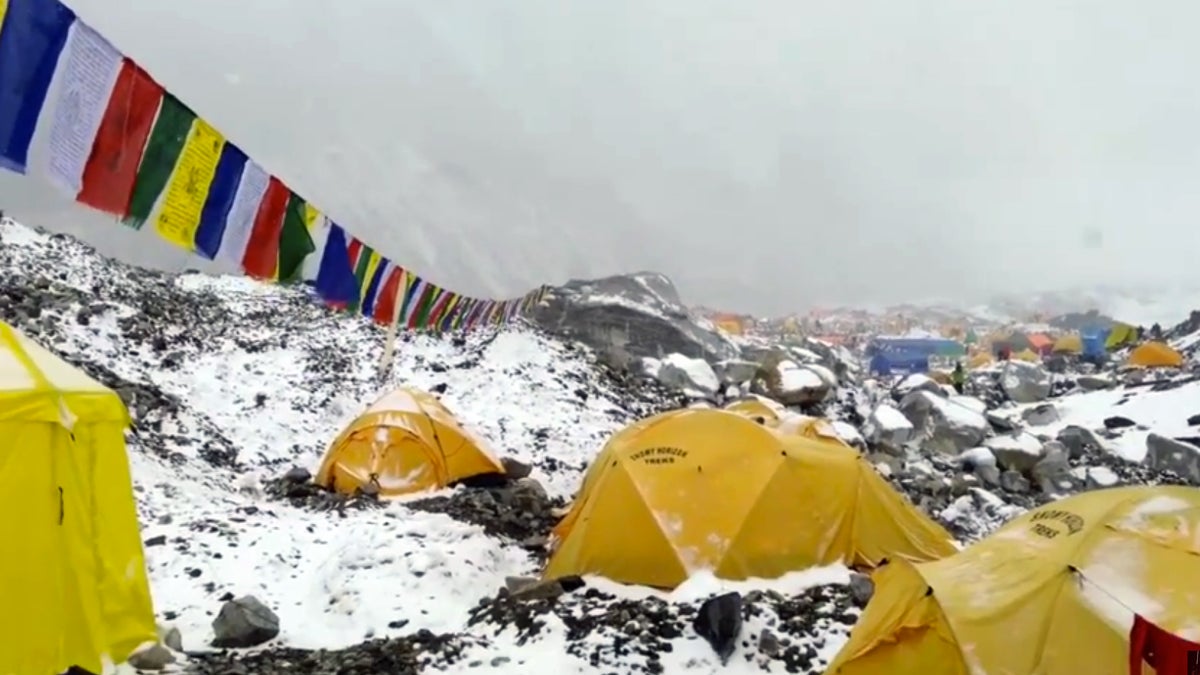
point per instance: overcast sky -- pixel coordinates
(767, 155)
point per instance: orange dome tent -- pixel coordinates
(406, 442)
(693, 490)
(1155, 355)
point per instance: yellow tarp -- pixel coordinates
(1121, 335)
(980, 359)
(406, 442)
(1155, 355)
(72, 568)
(1070, 343)
(709, 489)
(1052, 592)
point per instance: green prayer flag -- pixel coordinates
(167, 139)
(295, 241)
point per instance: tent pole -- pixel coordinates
(389, 346)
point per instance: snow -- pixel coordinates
(969, 402)
(1163, 412)
(914, 381)
(955, 413)
(824, 373)
(793, 377)
(978, 457)
(887, 417)
(601, 299)
(1102, 476)
(691, 654)
(1023, 443)
(697, 370)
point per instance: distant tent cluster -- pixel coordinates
(1095, 343)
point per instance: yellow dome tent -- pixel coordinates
(72, 570)
(406, 442)
(1027, 355)
(1052, 592)
(1071, 343)
(709, 489)
(980, 360)
(1154, 355)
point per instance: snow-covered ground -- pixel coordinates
(1163, 412)
(268, 373)
(233, 383)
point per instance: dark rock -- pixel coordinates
(719, 621)
(1118, 422)
(244, 622)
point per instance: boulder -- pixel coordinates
(1025, 382)
(916, 382)
(943, 425)
(1017, 451)
(1079, 441)
(687, 374)
(735, 371)
(1053, 472)
(244, 622)
(790, 383)
(1040, 415)
(887, 428)
(1094, 382)
(640, 313)
(1168, 454)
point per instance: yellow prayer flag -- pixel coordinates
(3, 10)
(189, 186)
(372, 266)
(311, 214)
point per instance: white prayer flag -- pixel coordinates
(86, 79)
(242, 213)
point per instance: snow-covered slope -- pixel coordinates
(232, 383)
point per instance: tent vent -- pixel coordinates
(60, 505)
(928, 591)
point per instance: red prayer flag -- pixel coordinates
(1165, 652)
(262, 251)
(111, 169)
(385, 304)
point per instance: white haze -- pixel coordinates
(767, 155)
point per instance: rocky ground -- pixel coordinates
(970, 470)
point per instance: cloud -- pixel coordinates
(768, 156)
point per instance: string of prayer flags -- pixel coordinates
(119, 142)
